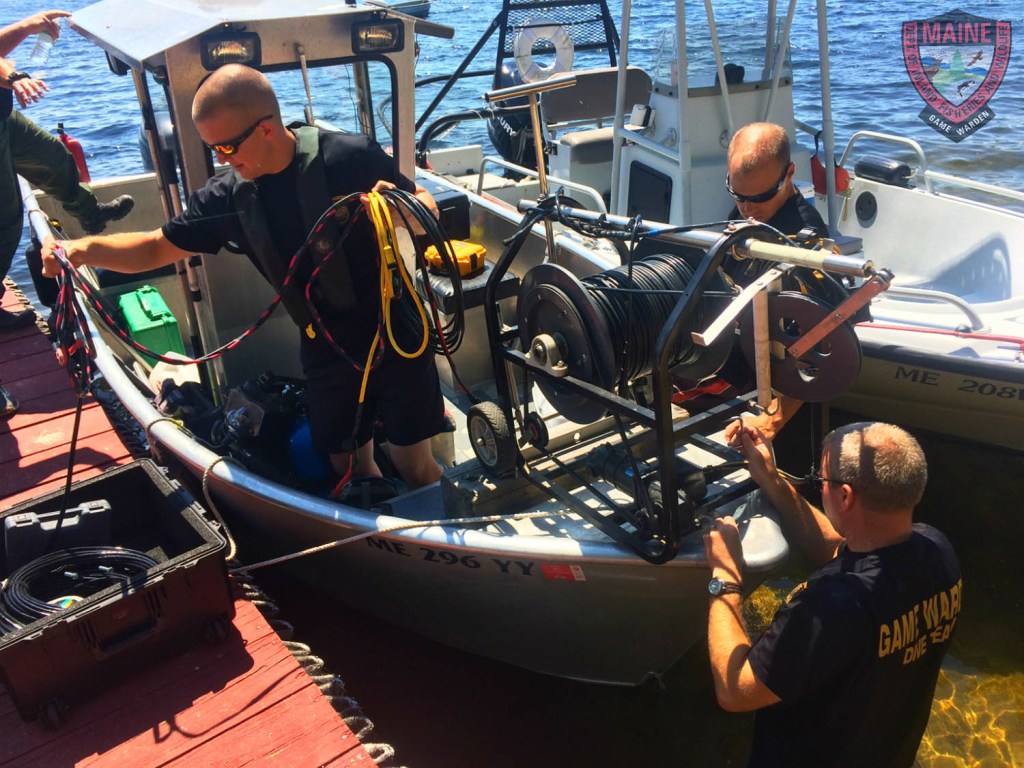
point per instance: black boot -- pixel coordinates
(104, 213)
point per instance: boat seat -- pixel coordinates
(592, 98)
(593, 146)
(584, 156)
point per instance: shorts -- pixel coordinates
(405, 394)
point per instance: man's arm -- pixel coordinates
(736, 685)
(124, 252)
(12, 35)
(805, 525)
(770, 422)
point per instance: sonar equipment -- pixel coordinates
(602, 350)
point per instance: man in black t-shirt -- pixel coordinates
(760, 180)
(266, 207)
(845, 674)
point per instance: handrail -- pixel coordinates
(531, 173)
(447, 122)
(981, 186)
(896, 140)
(927, 294)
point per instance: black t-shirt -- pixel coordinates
(6, 103)
(854, 655)
(354, 164)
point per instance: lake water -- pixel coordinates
(440, 707)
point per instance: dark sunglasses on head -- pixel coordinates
(763, 197)
(230, 147)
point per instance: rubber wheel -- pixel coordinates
(492, 440)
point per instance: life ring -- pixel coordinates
(530, 33)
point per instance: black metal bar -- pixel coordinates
(663, 428)
(498, 20)
(436, 127)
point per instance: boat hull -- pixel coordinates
(610, 620)
(972, 398)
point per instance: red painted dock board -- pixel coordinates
(35, 441)
(242, 702)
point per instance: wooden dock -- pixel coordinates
(245, 701)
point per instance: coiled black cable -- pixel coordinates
(636, 300)
(30, 590)
(445, 338)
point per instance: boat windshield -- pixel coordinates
(742, 44)
(334, 93)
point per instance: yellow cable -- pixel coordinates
(390, 259)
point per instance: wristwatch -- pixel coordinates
(15, 76)
(717, 588)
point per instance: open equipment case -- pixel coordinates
(119, 618)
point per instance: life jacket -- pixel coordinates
(333, 290)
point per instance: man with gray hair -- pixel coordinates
(846, 672)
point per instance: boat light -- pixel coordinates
(378, 36)
(231, 47)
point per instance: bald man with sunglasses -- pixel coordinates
(283, 178)
(760, 180)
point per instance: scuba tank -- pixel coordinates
(76, 152)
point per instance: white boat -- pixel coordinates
(945, 348)
(587, 572)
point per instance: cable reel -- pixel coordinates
(603, 329)
(826, 370)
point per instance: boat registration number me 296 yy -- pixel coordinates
(511, 567)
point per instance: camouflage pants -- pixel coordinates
(42, 159)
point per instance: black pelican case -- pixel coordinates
(57, 661)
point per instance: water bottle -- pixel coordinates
(41, 50)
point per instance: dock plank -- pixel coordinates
(245, 701)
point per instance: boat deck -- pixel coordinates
(243, 701)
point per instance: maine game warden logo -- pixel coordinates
(956, 61)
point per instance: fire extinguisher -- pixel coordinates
(76, 152)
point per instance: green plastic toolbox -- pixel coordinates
(150, 322)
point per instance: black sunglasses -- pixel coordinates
(818, 482)
(230, 147)
(763, 197)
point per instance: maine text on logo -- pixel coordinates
(956, 62)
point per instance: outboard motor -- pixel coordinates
(512, 135)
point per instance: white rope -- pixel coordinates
(393, 528)
(153, 448)
(232, 547)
